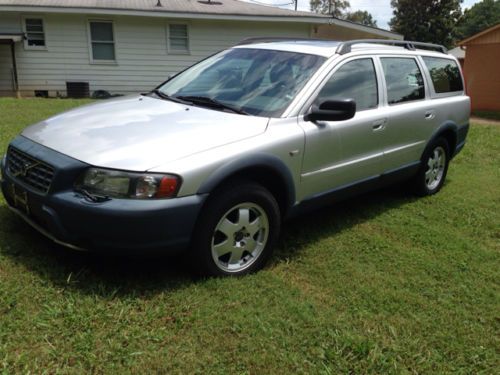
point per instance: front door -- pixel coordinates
(341, 153)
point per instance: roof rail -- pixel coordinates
(345, 47)
(277, 39)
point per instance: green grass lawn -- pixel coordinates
(385, 283)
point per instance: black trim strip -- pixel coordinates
(362, 186)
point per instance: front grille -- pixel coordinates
(29, 170)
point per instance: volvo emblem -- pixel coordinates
(24, 168)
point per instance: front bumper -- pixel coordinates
(69, 219)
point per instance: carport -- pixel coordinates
(11, 39)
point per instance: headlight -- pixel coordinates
(118, 184)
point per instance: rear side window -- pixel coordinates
(445, 74)
(354, 80)
(403, 79)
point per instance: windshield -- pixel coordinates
(254, 81)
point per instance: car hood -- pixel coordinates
(140, 132)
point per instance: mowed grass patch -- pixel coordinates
(384, 283)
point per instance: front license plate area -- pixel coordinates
(20, 199)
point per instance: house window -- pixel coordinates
(35, 33)
(102, 41)
(178, 38)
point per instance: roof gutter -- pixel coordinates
(13, 37)
(317, 20)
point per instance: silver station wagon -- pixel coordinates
(213, 160)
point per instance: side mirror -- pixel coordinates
(332, 110)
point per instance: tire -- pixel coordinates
(236, 231)
(433, 169)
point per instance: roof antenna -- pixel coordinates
(158, 4)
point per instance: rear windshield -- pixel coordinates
(445, 74)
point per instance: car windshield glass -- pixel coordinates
(254, 81)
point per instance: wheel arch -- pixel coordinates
(449, 131)
(268, 170)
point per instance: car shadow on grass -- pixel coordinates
(88, 272)
(116, 276)
(336, 217)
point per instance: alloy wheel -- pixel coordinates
(240, 237)
(435, 168)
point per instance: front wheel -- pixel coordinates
(432, 173)
(236, 231)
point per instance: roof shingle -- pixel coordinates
(222, 7)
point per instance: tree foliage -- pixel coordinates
(478, 18)
(336, 8)
(426, 20)
(361, 16)
(340, 9)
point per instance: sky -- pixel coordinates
(380, 9)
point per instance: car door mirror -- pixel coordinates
(332, 110)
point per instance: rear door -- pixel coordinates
(340, 153)
(409, 111)
(449, 101)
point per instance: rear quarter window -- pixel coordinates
(445, 74)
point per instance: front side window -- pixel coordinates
(445, 74)
(403, 79)
(178, 38)
(102, 41)
(35, 32)
(354, 80)
(257, 81)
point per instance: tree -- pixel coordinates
(478, 18)
(426, 20)
(339, 9)
(334, 7)
(361, 16)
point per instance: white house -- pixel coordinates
(126, 46)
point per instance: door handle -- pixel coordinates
(429, 115)
(379, 125)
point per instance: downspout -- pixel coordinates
(14, 69)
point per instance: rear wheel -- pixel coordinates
(432, 173)
(236, 231)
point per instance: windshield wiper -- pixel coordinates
(162, 95)
(205, 100)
